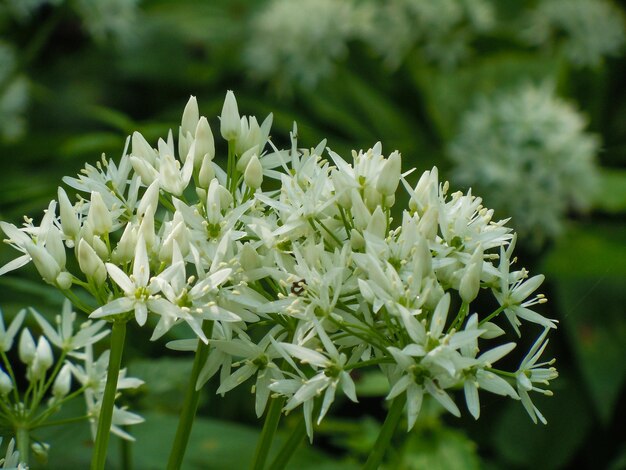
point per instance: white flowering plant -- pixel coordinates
(294, 269)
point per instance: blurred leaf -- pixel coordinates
(438, 448)
(612, 194)
(92, 144)
(527, 445)
(372, 384)
(214, 444)
(588, 269)
(113, 118)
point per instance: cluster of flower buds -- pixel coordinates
(301, 284)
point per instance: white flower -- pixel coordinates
(530, 372)
(138, 289)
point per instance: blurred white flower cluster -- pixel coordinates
(300, 41)
(526, 151)
(49, 378)
(443, 31)
(586, 30)
(302, 283)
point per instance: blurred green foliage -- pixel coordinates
(84, 92)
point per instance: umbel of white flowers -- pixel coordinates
(304, 283)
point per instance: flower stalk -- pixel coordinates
(118, 335)
(267, 434)
(190, 405)
(386, 433)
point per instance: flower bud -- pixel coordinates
(43, 354)
(389, 176)
(359, 212)
(253, 176)
(204, 143)
(69, 219)
(377, 224)
(46, 265)
(142, 149)
(54, 246)
(470, 281)
(243, 161)
(207, 173)
(90, 263)
(150, 199)
(26, 348)
(64, 280)
(249, 258)
(99, 217)
(191, 114)
(63, 382)
(230, 125)
(100, 247)
(145, 170)
(125, 249)
(6, 384)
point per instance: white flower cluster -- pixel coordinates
(300, 41)
(526, 152)
(586, 30)
(442, 30)
(300, 284)
(50, 380)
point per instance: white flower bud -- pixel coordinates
(191, 115)
(142, 149)
(69, 219)
(230, 125)
(253, 176)
(470, 281)
(100, 247)
(150, 199)
(378, 223)
(146, 229)
(371, 197)
(6, 384)
(99, 217)
(46, 265)
(54, 246)
(206, 174)
(357, 242)
(26, 348)
(145, 170)
(125, 249)
(389, 176)
(204, 143)
(169, 175)
(63, 382)
(90, 263)
(244, 159)
(43, 354)
(249, 258)
(359, 212)
(64, 280)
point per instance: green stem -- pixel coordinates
(290, 447)
(267, 434)
(190, 404)
(118, 334)
(22, 436)
(386, 433)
